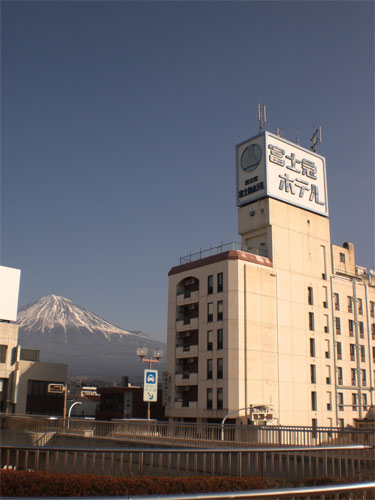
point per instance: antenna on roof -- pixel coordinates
(262, 116)
(279, 132)
(297, 139)
(316, 138)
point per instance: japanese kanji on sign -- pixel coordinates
(271, 166)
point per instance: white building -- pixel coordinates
(285, 323)
(24, 379)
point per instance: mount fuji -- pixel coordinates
(88, 344)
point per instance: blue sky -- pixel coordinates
(118, 128)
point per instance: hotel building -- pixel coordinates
(281, 329)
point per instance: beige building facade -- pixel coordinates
(280, 330)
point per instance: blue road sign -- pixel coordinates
(150, 385)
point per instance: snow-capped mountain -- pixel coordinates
(90, 345)
(53, 311)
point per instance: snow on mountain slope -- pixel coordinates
(90, 345)
(53, 311)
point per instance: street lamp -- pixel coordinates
(70, 411)
(251, 408)
(157, 355)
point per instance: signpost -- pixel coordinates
(150, 381)
(150, 385)
(59, 389)
(56, 388)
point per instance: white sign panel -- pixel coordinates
(56, 388)
(269, 165)
(9, 288)
(150, 385)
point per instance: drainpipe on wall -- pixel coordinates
(371, 378)
(357, 347)
(334, 351)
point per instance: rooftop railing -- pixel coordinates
(224, 247)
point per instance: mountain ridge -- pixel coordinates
(89, 344)
(52, 310)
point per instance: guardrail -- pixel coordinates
(284, 463)
(194, 435)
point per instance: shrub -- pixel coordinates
(38, 484)
(32, 484)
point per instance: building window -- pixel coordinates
(336, 301)
(342, 258)
(326, 321)
(373, 355)
(364, 401)
(338, 326)
(314, 404)
(3, 353)
(351, 328)
(340, 398)
(373, 331)
(37, 387)
(220, 368)
(328, 376)
(354, 401)
(220, 308)
(325, 297)
(220, 282)
(314, 425)
(339, 376)
(350, 304)
(312, 348)
(372, 308)
(354, 376)
(324, 261)
(209, 340)
(220, 339)
(220, 398)
(360, 306)
(352, 352)
(209, 369)
(311, 321)
(313, 374)
(364, 378)
(339, 350)
(209, 399)
(361, 330)
(363, 353)
(341, 423)
(210, 284)
(329, 399)
(328, 350)
(210, 312)
(310, 295)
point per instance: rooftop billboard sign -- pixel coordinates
(270, 166)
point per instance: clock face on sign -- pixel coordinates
(251, 157)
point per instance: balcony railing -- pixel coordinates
(224, 247)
